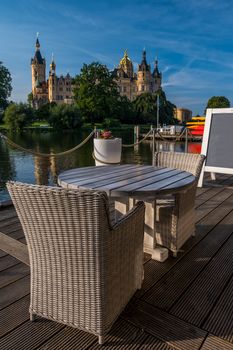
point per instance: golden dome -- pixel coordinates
(125, 60)
(126, 65)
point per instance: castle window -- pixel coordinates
(142, 88)
(61, 89)
(125, 89)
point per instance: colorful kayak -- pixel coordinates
(196, 126)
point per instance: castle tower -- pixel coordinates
(126, 65)
(52, 81)
(38, 66)
(144, 81)
(157, 75)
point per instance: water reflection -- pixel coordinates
(21, 166)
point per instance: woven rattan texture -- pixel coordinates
(176, 218)
(83, 270)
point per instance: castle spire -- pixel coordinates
(156, 69)
(52, 65)
(37, 41)
(144, 66)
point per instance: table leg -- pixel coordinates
(122, 205)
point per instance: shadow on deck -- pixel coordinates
(185, 303)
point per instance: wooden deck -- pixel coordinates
(185, 303)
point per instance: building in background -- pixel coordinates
(132, 84)
(54, 89)
(182, 114)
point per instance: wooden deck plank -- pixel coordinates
(69, 339)
(220, 320)
(7, 261)
(196, 303)
(14, 291)
(172, 330)
(154, 271)
(207, 207)
(142, 325)
(165, 293)
(207, 195)
(20, 312)
(214, 343)
(7, 213)
(2, 253)
(30, 335)
(14, 248)
(13, 273)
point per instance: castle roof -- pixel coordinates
(156, 72)
(37, 57)
(143, 66)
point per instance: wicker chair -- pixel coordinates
(83, 270)
(176, 216)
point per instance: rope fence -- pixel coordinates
(15, 145)
(60, 154)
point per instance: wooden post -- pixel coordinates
(153, 148)
(186, 140)
(136, 133)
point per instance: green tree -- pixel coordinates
(17, 116)
(125, 111)
(65, 117)
(218, 102)
(96, 93)
(145, 106)
(5, 86)
(30, 99)
(166, 109)
(44, 111)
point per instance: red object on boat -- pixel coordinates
(196, 126)
(194, 147)
(197, 130)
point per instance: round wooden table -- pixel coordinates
(126, 183)
(128, 180)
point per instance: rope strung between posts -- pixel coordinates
(137, 143)
(60, 154)
(101, 161)
(15, 145)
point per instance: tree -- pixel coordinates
(5, 86)
(44, 111)
(166, 109)
(145, 106)
(125, 111)
(17, 116)
(96, 93)
(65, 117)
(218, 102)
(30, 99)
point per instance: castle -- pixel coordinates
(132, 84)
(55, 89)
(59, 89)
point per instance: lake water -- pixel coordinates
(24, 167)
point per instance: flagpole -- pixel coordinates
(157, 117)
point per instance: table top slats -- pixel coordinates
(88, 171)
(152, 180)
(127, 180)
(108, 178)
(167, 182)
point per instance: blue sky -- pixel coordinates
(192, 39)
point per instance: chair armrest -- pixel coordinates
(139, 208)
